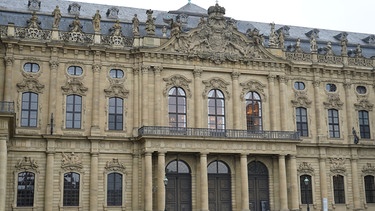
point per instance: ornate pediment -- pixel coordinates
(26, 164)
(74, 86)
(177, 81)
(217, 40)
(253, 85)
(216, 83)
(337, 165)
(305, 168)
(71, 162)
(301, 99)
(30, 84)
(368, 169)
(333, 101)
(115, 165)
(116, 90)
(364, 104)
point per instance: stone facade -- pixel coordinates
(90, 96)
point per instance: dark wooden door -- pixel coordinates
(178, 192)
(219, 192)
(258, 187)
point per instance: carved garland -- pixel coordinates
(253, 85)
(74, 86)
(337, 166)
(116, 90)
(333, 101)
(177, 81)
(216, 83)
(363, 103)
(115, 165)
(301, 99)
(305, 168)
(30, 85)
(71, 162)
(27, 164)
(368, 169)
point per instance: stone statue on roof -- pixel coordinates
(313, 45)
(281, 39)
(96, 21)
(135, 22)
(34, 22)
(76, 25)
(202, 21)
(56, 17)
(328, 48)
(273, 38)
(116, 29)
(358, 51)
(344, 46)
(150, 23)
(176, 27)
(298, 46)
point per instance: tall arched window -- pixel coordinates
(216, 110)
(115, 113)
(370, 189)
(29, 110)
(364, 124)
(301, 121)
(71, 189)
(114, 189)
(25, 189)
(253, 112)
(73, 111)
(177, 107)
(306, 189)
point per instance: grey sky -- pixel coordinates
(341, 15)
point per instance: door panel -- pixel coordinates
(219, 192)
(258, 186)
(178, 192)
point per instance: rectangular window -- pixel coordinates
(306, 189)
(339, 189)
(115, 113)
(73, 111)
(71, 189)
(114, 189)
(364, 124)
(370, 189)
(29, 110)
(301, 121)
(25, 189)
(333, 123)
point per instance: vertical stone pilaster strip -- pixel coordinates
(323, 178)
(148, 181)
(355, 182)
(3, 171)
(244, 183)
(94, 175)
(272, 117)
(136, 95)
(197, 98)
(282, 183)
(48, 189)
(8, 79)
(349, 116)
(54, 64)
(157, 92)
(283, 104)
(135, 183)
(144, 98)
(204, 182)
(316, 84)
(95, 99)
(236, 97)
(161, 186)
(294, 183)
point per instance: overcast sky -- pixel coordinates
(341, 15)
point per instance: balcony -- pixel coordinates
(6, 107)
(224, 134)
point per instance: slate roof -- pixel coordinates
(17, 12)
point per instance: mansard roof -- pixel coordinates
(18, 12)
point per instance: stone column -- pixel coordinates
(283, 104)
(161, 187)
(355, 182)
(52, 91)
(323, 178)
(148, 181)
(349, 117)
(145, 98)
(294, 183)
(3, 169)
(135, 181)
(272, 117)
(48, 189)
(198, 98)
(157, 91)
(204, 182)
(316, 84)
(244, 183)
(236, 100)
(136, 98)
(8, 79)
(94, 175)
(282, 183)
(95, 130)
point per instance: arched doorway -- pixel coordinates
(219, 186)
(178, 190)
(258, 186)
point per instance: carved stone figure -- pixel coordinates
(56, 17)
(150, 23)
(258, 38)
(344, 46)
(281, 39)
(76, 25)
(34, 22)
(273, 38)
(164, 31)
(358, 51)
(298, 46)
(329, 48)
(355, 136)
(96, 21)
(116, 29)
(135, 22)
(313, 45)
(202, 21)
(34, 5)
(176, 26)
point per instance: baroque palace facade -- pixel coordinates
(132, 109)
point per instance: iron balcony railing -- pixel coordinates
(205, 132)
(6, 107)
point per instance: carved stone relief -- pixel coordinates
(301, 99)
(177, 81)
(31, 83)
(74, 8)
(115, 37)
(115, 165)
(333, 101)
(34, 5)
(71, 162)
(26, 164)
(216, 83)
(368, 169)
(255, 86)
(305, 168)
(337, 165)
(116, 90)
(363, 103)
(112, 13)
(74, 86)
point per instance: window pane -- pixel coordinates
(177, 107)
(253, 111)
(114, 189)
(25, 189)
(71, 189)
